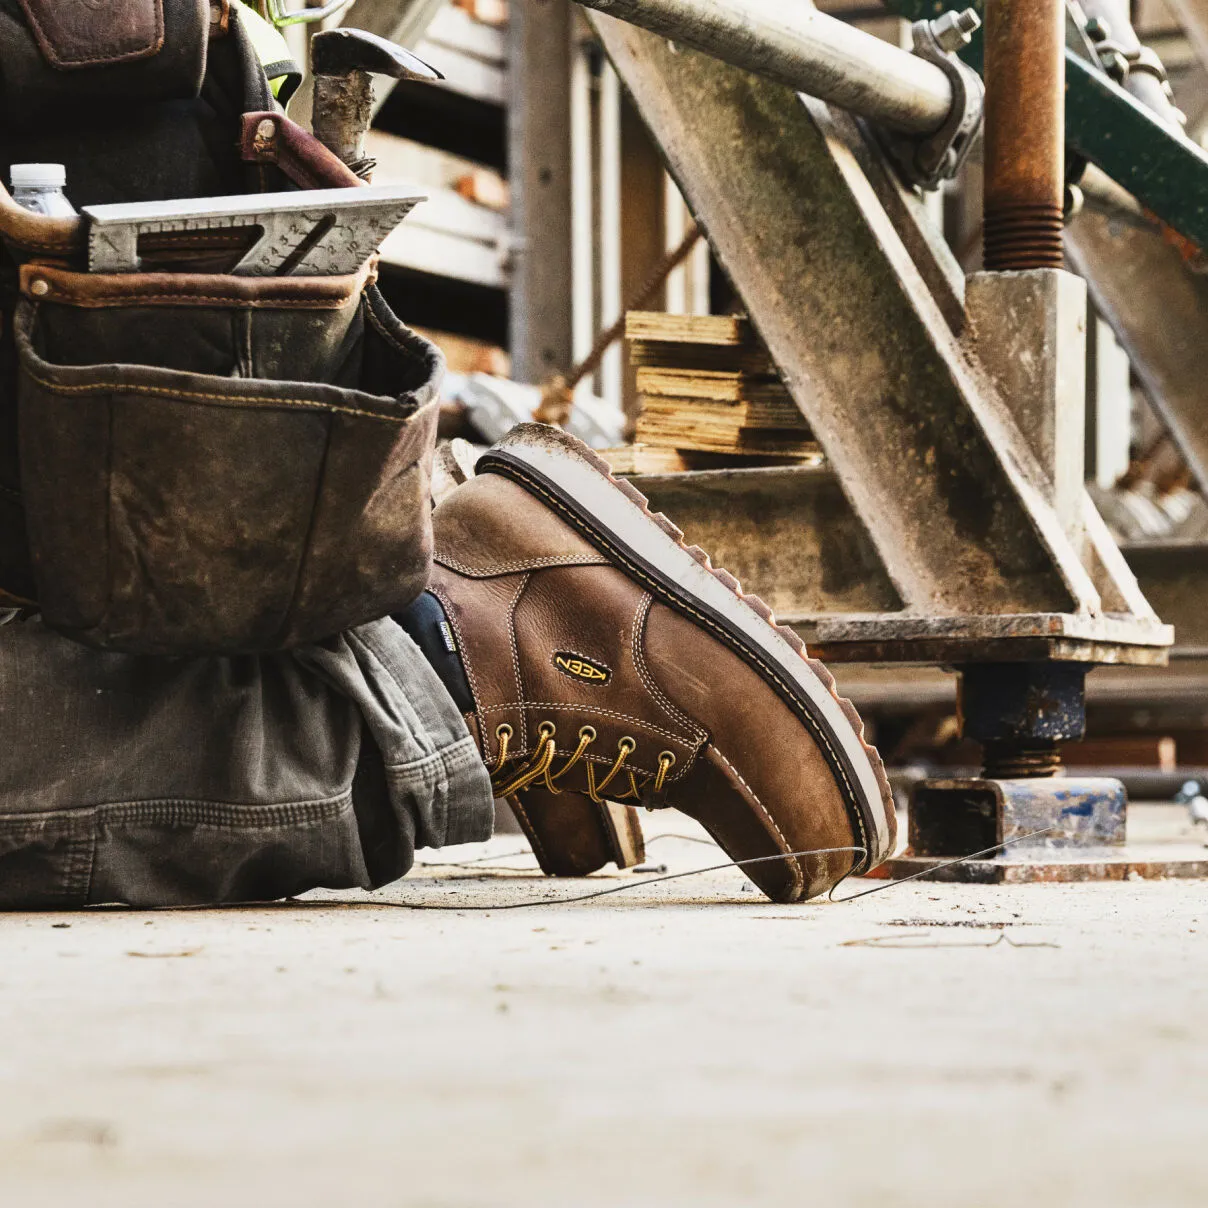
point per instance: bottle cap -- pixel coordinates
(39, 176)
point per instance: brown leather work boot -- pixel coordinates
(606, 661)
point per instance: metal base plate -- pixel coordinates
(1029, 637)
(1130, 861)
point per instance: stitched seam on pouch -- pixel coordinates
(225, 400)
(52, 52)
(388, 336)
(267, 295)
(43, 245)
(134, 300)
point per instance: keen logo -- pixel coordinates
(580, 668)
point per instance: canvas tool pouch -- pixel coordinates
(216, 463)
(206, 462)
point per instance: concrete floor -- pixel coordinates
(687, 1043)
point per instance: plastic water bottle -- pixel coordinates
(39, 188)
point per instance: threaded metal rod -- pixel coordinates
(1013, 760)
(1025, 134)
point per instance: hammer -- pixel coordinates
(345, 62)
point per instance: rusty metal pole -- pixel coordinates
(1025, 134)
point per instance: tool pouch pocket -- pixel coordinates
(221, 464)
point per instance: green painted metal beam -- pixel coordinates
(1166, 172)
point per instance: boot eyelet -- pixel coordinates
(547, 729)
(587, 734)
(667, 761)
(503, 736)
(628, 745)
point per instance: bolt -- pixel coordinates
(39, 288)
(954, 31)
(1115, 64)
(1098, 30)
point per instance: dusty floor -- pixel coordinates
(683, 1044)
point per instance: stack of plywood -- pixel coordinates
(707, 386)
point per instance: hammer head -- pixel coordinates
(342, 52)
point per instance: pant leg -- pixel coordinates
(160, 781)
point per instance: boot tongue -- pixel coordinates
(428, 627)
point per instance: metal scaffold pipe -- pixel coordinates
(791, 42)
(1025, 134)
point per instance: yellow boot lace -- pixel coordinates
(539, 766)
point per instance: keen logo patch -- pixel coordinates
(580, 668)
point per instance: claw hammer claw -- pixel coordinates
(345, 62)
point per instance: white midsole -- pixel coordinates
(625, 522)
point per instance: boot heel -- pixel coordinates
(574, 837)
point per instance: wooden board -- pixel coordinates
(736, 416)
(655, 459)
(705, 357)
(705, 342)
(723, 438)
(713, 386)
(722, 331)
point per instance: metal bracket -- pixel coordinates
(1162, 168)
(927, 163)
(1119, 62)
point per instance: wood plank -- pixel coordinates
(721, 331)
(701, 357)
(712, 386)
(721, 438)
(737, 416)
(655, 459)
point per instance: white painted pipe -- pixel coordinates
(791, 42)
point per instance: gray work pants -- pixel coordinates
(158, 781)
